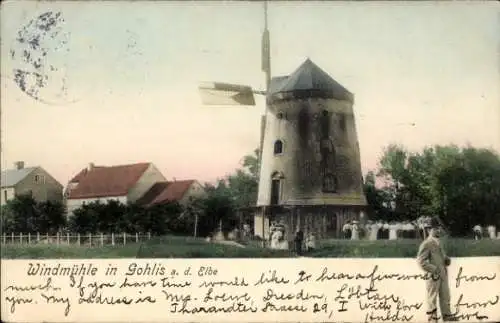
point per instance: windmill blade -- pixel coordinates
(216, 93)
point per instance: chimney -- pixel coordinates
(90, 167)
(19, 165)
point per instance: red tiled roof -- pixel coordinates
(163, 192)
(104, 181)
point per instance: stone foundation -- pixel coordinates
(325, 222)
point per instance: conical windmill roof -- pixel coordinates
(307, 81)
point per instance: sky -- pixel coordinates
(129, 73)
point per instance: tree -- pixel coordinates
(20, 214)
(461, 185)
(24, 214)
(85, 219)
(376, 198)
(52, 217)
(243, 184)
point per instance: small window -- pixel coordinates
(39, 179)
(276, 187)
(275, 191)
(342, 122)
(278, 147)
(329, 183)
(303, 124)
(325, 124)
(307, 170)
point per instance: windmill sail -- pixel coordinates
(266, 49)
(216, 93)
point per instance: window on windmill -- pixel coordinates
(278, 147)
(325, 124)
(342, 122)
(275, 188)
(329, 183)
(303, 124)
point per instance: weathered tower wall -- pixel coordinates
(320, 159)
(310, 175)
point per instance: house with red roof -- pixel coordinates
(172, 191)
(123, 183)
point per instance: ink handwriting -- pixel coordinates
(45, 287)
(207, 290)
(274, 279)
(473, 278)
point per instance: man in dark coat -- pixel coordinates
(299, 238)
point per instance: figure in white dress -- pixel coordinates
(478, 232)
(246, 230)
(275, 237)
(374, 228)
(310, 241)
(355, 230)
(394, 227)
(492, 231)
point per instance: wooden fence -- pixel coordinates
(89, 240)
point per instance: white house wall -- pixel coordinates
(8, 193)
(151, 176)
(195, 190)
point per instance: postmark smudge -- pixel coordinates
(42, 38)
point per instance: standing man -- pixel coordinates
(432, 258)
(299, 239)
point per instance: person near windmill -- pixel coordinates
(432, 258)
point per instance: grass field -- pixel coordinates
(184, 247)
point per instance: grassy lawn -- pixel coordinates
(186, 247)
(163, 247)
(404, 248)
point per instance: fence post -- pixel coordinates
(4, 239)
(67, 236)
(12, 237)
(112, 239)
(38, 237)
(29, 237)
(20, 237)
(57, 237)
(124, 238)
(102, 239)
(149, 235)
(136, 237)
(90, 239)
(47, 236)
(78, 238)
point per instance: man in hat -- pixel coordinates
(432, 258)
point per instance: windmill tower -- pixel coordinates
(310, 175)
(310, 169)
